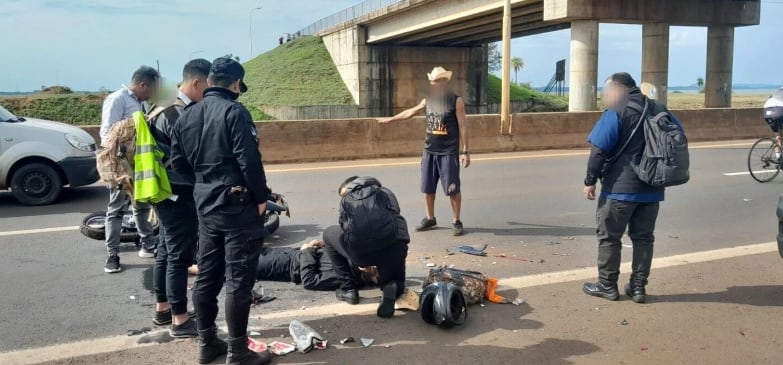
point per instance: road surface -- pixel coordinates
(527, 207)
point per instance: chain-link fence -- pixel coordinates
(356, 11)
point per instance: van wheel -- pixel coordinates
(36, 184)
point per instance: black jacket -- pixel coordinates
(367, 181)
(162, 128)
(619, 177)
(215, 143)
(310, 267)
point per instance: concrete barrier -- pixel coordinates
(328, 140)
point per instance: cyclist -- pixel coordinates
(773, 114)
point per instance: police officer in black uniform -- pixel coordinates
(215, 142)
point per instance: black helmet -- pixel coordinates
(443, 304)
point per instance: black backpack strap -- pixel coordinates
(632, 105)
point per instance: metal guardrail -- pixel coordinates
(354, 12)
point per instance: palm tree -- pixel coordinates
(517, 63)
(700, 84)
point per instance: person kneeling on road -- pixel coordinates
(309, 265)
(371, 233)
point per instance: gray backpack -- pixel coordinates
(665, 160)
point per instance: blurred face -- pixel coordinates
(439, 86)
(614, 95)
(145, 91)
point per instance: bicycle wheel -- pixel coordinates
(762, 160)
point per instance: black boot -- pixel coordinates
(637, 292)
(239, 354)
(601, 290)
(390, 294)
(210, 347)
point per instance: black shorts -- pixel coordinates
(443, 168)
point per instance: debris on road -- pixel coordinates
(644, 349)
(280, 349)
(140, 331)
(430, 264)
(449, 252)
(568, 238)
(552, 243)
(387, 346)
(674, 237)
(747, 200)
(132, 297)
(561, 254)
(517, 302)
(741, 332)
(367, 342)
(470, 250)
(255, 333)
(347, 340)
(409, 300)
(624, 323)
(256, 346)
(305, 337)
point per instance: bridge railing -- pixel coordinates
(346, 15)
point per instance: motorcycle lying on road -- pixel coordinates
(94, 224)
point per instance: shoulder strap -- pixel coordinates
(633, 133)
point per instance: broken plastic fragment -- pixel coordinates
(132, 297)
(430, 264)
(255, 333)
(367, 342)
(472, 250)
(280, 349)
(256, 346)
(347, 340)
(624, 323)
(305, 337)
(517, 302)
(387, 346)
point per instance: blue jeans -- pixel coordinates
(119, 202)
(178, 239)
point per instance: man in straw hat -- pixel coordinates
(445, 116)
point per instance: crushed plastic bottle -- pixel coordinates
(305, 337)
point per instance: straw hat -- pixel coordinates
(439, 73)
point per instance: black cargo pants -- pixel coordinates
(613, 218)
(226, 254)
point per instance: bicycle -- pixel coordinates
(764, 159)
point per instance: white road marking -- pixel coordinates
(119, 343)
(748, 173)
(40, 230)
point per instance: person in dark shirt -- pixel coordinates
(308, 265)
(446, 131)
(215, 144)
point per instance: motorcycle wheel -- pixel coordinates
(272, 223)
(94, 226)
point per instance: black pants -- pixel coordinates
(613, 217)
(390, 261)
(227, 255)
(178, 239)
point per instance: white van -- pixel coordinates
(39, 157)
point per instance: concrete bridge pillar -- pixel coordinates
(655, 61)
(583, 78)
(720, 64)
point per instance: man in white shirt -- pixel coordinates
(118, 106)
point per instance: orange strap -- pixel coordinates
(492, 285)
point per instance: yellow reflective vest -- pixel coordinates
(151, 183)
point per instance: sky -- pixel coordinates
(93, 44)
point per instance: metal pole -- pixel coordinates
(250, 23)
(505, 101)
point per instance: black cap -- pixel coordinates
(227, 68)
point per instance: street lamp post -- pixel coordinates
(251, 30)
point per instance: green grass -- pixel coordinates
(541, 102)
(299, 72)
(79, 109)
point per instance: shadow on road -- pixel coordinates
(493, 334)
(523, 229)
(78, 200)
(760, 296)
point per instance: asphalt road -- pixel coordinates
(527, 207)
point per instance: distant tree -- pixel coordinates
(231, 55)
(700, 84)
(495, 58)
(517, 63)
(103, 90)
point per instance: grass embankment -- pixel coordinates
(696, 101)
(297, 73)
(541, 102)
(79, 109)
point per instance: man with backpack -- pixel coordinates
(178, 217)
(371, 233)
(215, 143)
(638, 148)
(118, 106)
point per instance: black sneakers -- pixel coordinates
(427, 224)
(386, 309)
(608, 292)
(458, 230)
(113, 264)
(350, 296)
(162, 318)
(185, 330)
(210, 346)
(637, 293)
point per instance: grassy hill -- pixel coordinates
(80, 109)
(299, 72)
(541, 102)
